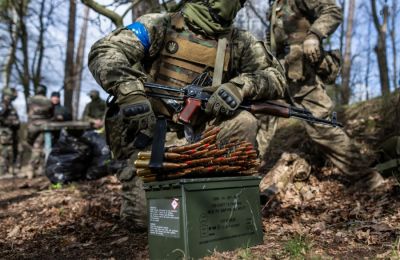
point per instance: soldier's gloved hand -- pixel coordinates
(225, 99)
(312, 48)
(136, 111)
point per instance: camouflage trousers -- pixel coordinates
(6, 157)
(333, 141)
(133, 208)
(36, 141)
(266, 131)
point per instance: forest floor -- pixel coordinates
(81, 220)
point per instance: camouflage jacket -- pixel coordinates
(39, 108)
(8, 117)
(94, 110)
(112, 61)
(296, 18)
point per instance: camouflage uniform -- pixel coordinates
(40, 110)
(95, 109)
(9, 125)
(175, 56)
(292, 24)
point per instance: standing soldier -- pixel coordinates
(174, 49)
(9, 125)
(40, 110)
(297, 30)
(60, 113)
(95, 110)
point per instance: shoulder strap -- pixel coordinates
(219, 61)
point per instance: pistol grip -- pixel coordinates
(191, 107)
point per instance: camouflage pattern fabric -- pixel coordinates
(6, 157)
(9, 125)
(95, 109)
(40, 110)
(113, 62)
(319, 17)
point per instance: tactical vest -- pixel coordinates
(289, 28)
(184, 56)
(40, 108)
(290, 25)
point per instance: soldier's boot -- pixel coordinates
(369, 182)
(2, 170)
(30, 172)
(133, 207)
(290, 167)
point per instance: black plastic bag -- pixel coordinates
(101, 155)
(68, 160)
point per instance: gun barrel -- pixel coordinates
(162, 87)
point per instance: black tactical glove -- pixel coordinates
(225, 99)
(136, 111)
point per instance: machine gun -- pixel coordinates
(193, 99)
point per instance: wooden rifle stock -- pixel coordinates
(268, 109)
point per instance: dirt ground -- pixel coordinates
(317, 219)
(38, 220)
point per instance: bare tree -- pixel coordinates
(22, 66)
(36, 68)
(79, 61)
(115, 18)
(69, 60)
(368, 69)
(346, 71)
(381, 47)
(393, 40)
(10, 17)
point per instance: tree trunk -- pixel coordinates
(79, 62)
(368, 70)
(39, 54)
(381, 47)
(13, 29)
(69, 60)
(115, 18)
(24, 73)
(346, 71)
(337, 89)
(393, 40)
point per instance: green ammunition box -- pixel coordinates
(192, 218)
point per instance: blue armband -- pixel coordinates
(141, 32)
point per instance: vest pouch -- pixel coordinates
(329, 67)
(294, 61)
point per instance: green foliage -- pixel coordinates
(245, 254)
(56, 186)
(298, 247)
(396, 249)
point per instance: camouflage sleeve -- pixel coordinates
(259, 73)
(111, 59)
(326, 15)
